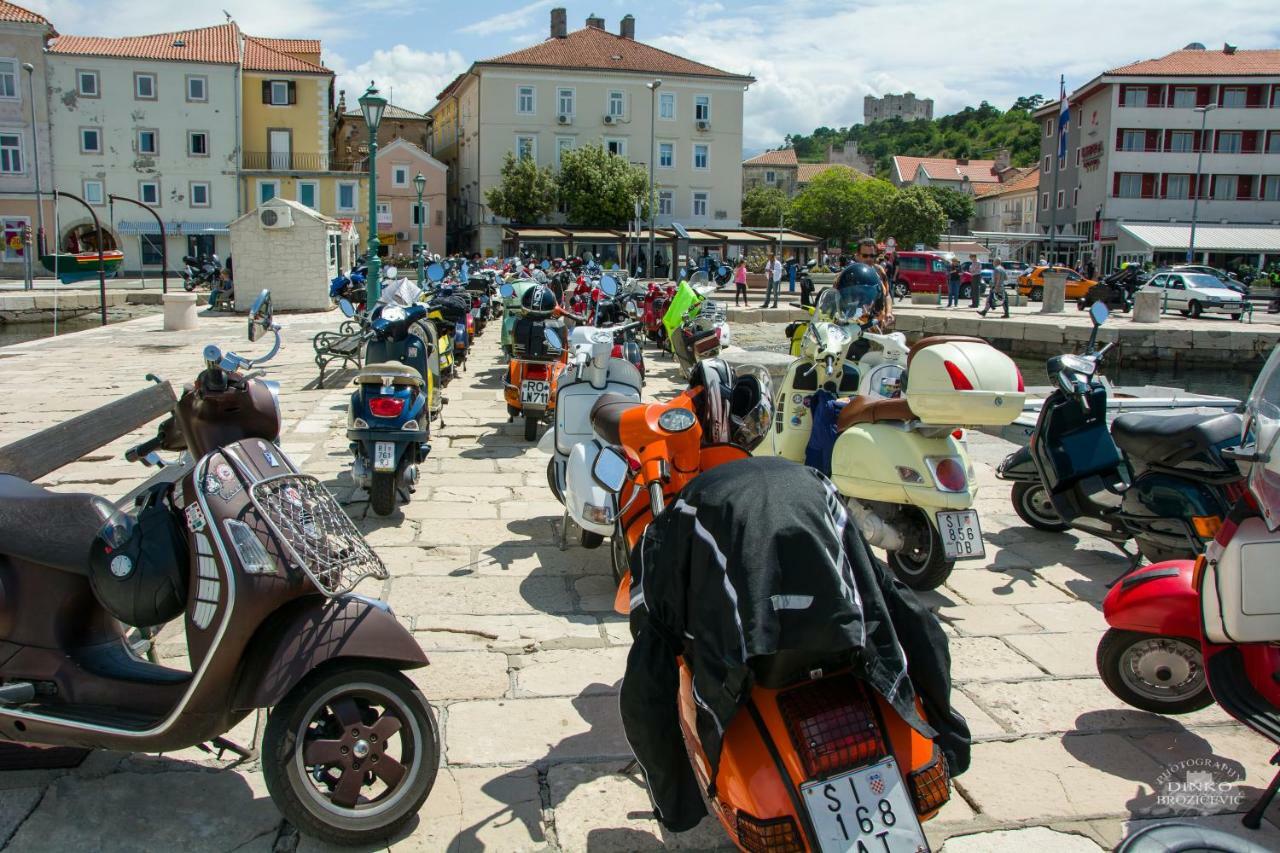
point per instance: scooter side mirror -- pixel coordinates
(435, 272)
(610, 470)
(1099, 313)
(506, 291)
(553, 340)
(347, 309)
(609, 285)
(390, 273)
(260, 315)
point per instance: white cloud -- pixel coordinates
(410, 78)
(517, 19)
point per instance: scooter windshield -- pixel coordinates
(858, 302)
(1261, 432)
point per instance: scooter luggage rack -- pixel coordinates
(315, 533)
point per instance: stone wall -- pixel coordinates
(292, 262)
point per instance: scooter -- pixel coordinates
(696, 327)
(781, 782)
(259, 561)
(510, 293)
(389, 415)
(538, 353)
(1160, 480)
(1184, 633)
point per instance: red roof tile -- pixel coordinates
(1018, 180)
(208, 44)
(291, 45)
(808, 171)
(781, 157)
(945, 169)
(598, 50)
(1195, 63)
(261, 55)
(18, 15)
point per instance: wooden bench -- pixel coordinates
(345, 345)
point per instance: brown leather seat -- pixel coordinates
(865, 410)
(941, 339)
(606, 415)
(52, 529)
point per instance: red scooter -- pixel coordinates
(656, 302)
(1186, 633)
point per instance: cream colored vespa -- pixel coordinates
(890, 418)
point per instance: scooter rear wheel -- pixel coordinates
(530, 428)
(1031, 503)
(351, 753)
(382, 492)
(1163, 675)
(922, 563)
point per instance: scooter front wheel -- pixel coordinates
(351, 753)
(1163, 675)
(922, 563)
(1031, 503)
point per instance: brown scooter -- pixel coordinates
(259, 561)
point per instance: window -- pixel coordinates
(1183, 141)
(1135, 96)
(526, 148)
(1075, 197)
(666, 202)
(197, 143)
(144, 87)
(152, 249)
(348, 195)
(1133, 140)
(1045, 166)
(90, 140)
(1273, 142)
(1229, 141)
(1077, 156)
(1271, 188)
(563, 144)
(400, 176)
(92, 191)
(267, 190)
(421, 213)
(1062, 199)
(198, 194)
(1177, 186)
(524, 100)
(617, 147)
(700, 204)
(1224, 186)
(8, 78)
(702, 108)
(384, 213)
(564, 101)
(1048, 127)
(1234, 97)
(667, 106)
(280, 93)
(11, 162)
(770, 177)
(148, 142)
(197, 87)
(1184, 96)
(149, 192)
(701, 156)
(87, 84)
(1130, 186)
(308, 192)
(666, 155)
(1044, 201)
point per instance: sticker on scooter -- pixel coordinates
(268, 455)
(212, 485)
(121, 566)
(224, 472)
(293, 496)
(195, 518)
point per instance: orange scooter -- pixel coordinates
(830, 734)
(539, 351)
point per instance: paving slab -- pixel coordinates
(1011, 586)
(551, 730)
(1038, 838)
(463, 675)
(472, 809)
(512, 633)
(569, 672)
(988, 659)
(1060, 654)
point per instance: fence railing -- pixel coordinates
(277, 161)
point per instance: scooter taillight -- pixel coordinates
(832, 725)
(950, 475)
(617, 351)
(535, 370)
(767, 836)
(930, 785)
(386, 407)
(1022, 386)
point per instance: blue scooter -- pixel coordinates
(389, 418)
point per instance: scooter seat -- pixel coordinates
(401, 374)
(52, 529)
(606, 415)
(865, 410)
(1170, 438)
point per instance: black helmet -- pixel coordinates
(712, 406)
(138, 566)
(540, 300)
(750, 406)
(861, 291)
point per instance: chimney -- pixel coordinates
(559, 23)
(627, 29)
(593, 21)
(1002, 159)
(962, 161)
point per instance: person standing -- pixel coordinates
(740, 283)
(975, 280)
(953, 284)
(997, 290)
(773, 280)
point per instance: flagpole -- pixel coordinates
(1057, 166)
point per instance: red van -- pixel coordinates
(920, 272)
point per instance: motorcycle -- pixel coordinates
(1185, 633)
(200, 271)
(390, 412)
(657, 298)
(1115, 291)
(350, 287)
(538, 352)
(696, 326)
(1161, 480)
(260, 562)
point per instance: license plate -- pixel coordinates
(961, 535)
(384, 456)
(535, 391)
(865, 809)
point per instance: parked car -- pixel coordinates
(1194, 293)
(1031, 284)
(1227, 279)
(966, 277)
(920, 272)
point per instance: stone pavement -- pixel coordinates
(527, 654)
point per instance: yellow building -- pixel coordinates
(287, 103)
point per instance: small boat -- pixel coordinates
(79, 266)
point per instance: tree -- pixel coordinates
(599, 189)
(839, 207)
(956, 206)
(526, 194)
(912, 217)
(763, 206)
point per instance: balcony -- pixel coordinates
(276, 161)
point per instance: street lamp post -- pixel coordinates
(1195, 199)
(35, 162)
(420, 183)
(653, 155)
(372, 105)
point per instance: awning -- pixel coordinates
(745, 237)
(172, 229)
(1028, 237)
(1209, 238)
(538, 233)
(594, 236)
(788, 237)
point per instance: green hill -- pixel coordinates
(973, 132)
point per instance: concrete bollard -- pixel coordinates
(1146, 307)
(179, 311)
(1055, 292)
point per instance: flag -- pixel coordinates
(1064, 119)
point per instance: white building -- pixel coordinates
(152, 118)
(293, 250)
(590, 87)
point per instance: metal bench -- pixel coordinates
(345, 345)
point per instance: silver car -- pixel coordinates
(1194, 294)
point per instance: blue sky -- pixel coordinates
(814, 61)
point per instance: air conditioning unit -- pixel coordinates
(402, 235)
(610, 119)
(275, 217)
(565, 118)
(703, 124)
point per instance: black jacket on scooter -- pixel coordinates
(760, 576)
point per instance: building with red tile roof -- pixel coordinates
(945, 171)
(15, 14)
